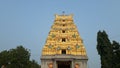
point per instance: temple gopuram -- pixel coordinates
(64, 47)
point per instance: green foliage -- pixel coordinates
(116, 54)
(4, 57)
(103, 43)
(33, 64)
(109, 52)
(17, 58)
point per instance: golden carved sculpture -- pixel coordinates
(64, 38)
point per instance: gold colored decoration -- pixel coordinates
(52, 35)
(68, 48)
(74, 36)
(64, 36)
(77, 46)
(58, 48)
(50, 46)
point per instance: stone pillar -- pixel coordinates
(55, 65)
(85, 64)
(72, 64)
(42, 64)
(82, 64)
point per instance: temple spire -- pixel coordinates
(64, 31)
(63, 12)
(64, 47)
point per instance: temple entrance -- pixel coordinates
(64, 64)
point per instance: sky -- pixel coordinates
(28, 22)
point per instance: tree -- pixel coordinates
(116, 54)
(104, 49)
(4, 58)
(33, 64)
(17, 58)
(109, 52)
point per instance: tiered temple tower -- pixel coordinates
(64, 47)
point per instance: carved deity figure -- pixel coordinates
(77, 66)
(50, 65)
